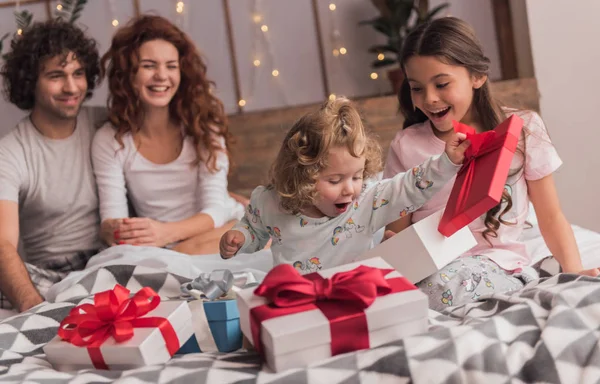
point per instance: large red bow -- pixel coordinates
(114, 314)
(342, 299)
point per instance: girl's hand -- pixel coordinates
(456, 147)
(142, 231)
(231, 242)
(593, 272)
(387, 234)
(578, 269)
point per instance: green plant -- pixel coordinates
(2, 41)
(70, 11)
(396, 20)
(23, 20)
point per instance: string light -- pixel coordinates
(380, 57)
(113, 16)
(61, 11)
(262, 57)
(341, 68)
(17, 10)
(337, 48)
(181, 17)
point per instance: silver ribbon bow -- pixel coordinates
(218, 284)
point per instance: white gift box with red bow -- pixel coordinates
(298, 339)
(147, 346)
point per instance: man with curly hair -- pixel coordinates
(48, 197)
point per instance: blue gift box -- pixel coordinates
(224, 321)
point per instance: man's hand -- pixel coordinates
(30, 302)
(15, 283)
(109, 229)
(231, 242)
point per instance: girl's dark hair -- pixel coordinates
(38, 43)
(453, 41)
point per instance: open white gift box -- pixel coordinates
(298, 339)
(421, 250)
(146, 347)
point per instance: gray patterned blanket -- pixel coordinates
(547, 333)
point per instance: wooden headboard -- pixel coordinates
(258, 135)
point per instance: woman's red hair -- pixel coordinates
(193, 106)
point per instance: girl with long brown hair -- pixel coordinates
(446, 79)
(165, 147)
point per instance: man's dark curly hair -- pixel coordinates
(42, 41)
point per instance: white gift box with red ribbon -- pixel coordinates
(147, 345)
(310, 335)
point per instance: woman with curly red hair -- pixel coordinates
(165, 147)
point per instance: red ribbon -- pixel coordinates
(342, 299)
(481, 144)
(114, 314)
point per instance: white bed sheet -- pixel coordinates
(168, 261)
(260, 262)
(588, 242)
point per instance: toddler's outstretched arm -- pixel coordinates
(249, 234)
(231, 242)
(401, 195)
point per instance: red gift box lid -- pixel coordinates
(480, 182)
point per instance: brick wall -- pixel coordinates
(258, 135)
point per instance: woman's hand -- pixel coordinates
(142, 231)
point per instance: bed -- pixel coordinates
(546, 332)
